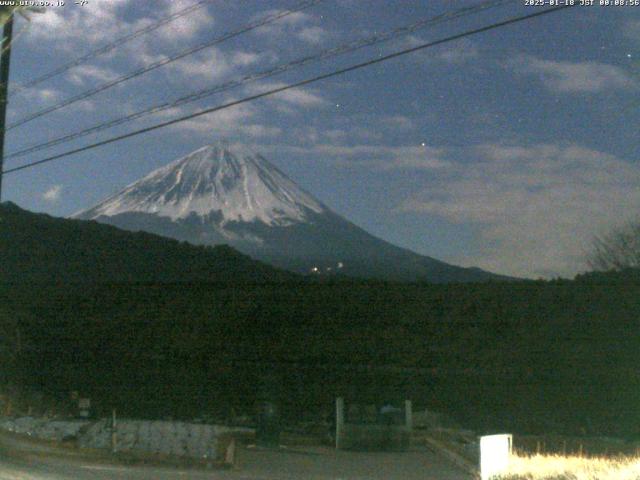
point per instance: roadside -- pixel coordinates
(27, 460)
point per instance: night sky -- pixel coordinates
(508, 150)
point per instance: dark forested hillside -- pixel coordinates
(527, 356)
(39, 248)
(535, 357)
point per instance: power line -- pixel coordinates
(111, 46)
(325, 76)
(160, 63)
(322, 55)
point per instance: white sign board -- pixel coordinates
(495, 451)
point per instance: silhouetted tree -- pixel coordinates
(618, 250)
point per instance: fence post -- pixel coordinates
(114, 435)
(230, 453)
(408, 415)
(339, 421)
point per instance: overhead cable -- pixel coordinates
(308, 81)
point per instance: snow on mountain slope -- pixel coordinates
(220, 194)
(240, 185)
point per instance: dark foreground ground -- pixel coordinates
(26, 461)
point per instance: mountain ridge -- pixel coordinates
(39, 248)
(219, 194)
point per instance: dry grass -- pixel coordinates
(559, 467)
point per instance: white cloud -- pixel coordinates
(537, 207)
(383, 157)
(258, 130)
(299, 97)
(314, 35)
(208, 65)
(31, 99)
(458, 53)
(461, 52)
(397, 122)
(186, 26)
(293, 25)
(52, 195)
(369, 128)
(370, 156)
(575, 77)
(104, 21)
(283, 24)
(80, 74)
(240, 121)
(98, 24)
(244, 58)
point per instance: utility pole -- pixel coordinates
(5, 58)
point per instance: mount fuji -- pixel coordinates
(229, 195)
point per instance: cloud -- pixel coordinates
(31, 99)
(458, 53)
(98, 24)
(208, 65)
(314, 35)
(575, 77)
(52, 195)
(258, 130)
(244, 58)
(241, 121)
(352, 129)
(397, 122)
(80, 74)
(299, 97)
(293, 25)
(371, 156)
(461, 52)
(283, 25)
(186, 26)
(386, 158)
(105, 21)
(537, 207)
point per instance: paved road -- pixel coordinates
(330, 464)
(253, 464)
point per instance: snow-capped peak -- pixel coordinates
(241, 185)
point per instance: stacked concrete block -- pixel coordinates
(193, 445)
(57, 430)
(97, 435)
(60, 430)
(167, 438)
(156, 437)
(127, 435)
